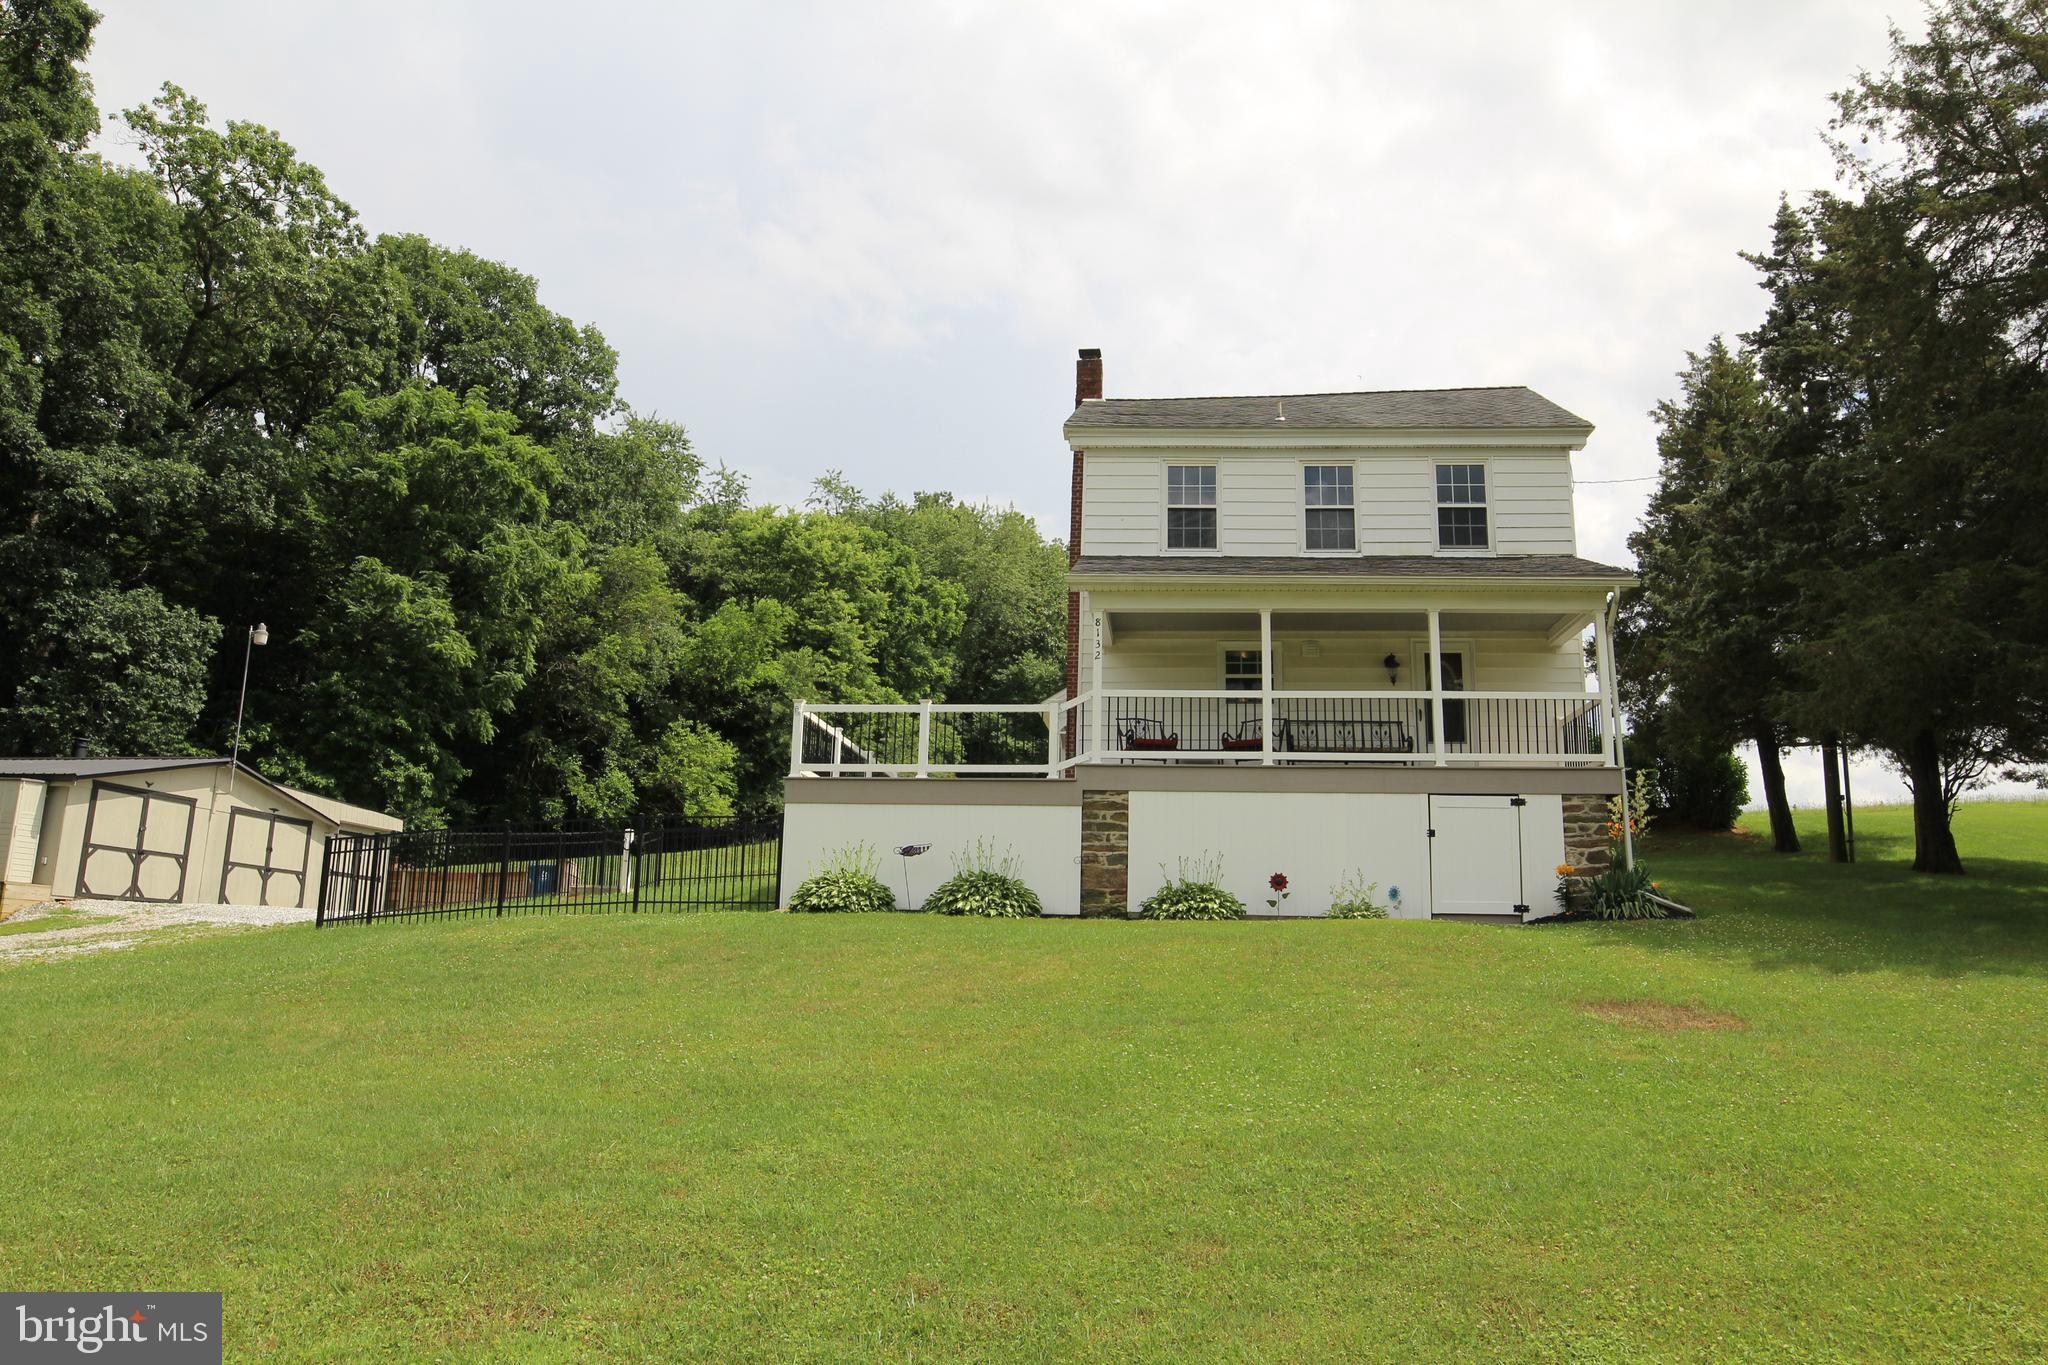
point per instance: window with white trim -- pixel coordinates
(1191, 507)
(1461, 507)
(1244, 670)
(1328, 511)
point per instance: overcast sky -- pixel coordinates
(870, 237)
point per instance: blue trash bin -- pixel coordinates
(540, 878)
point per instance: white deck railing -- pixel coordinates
(923, 739)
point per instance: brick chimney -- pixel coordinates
(1087, 375)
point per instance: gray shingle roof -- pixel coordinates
(1361, 566)
(1513, 406)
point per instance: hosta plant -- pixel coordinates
(847, 885)
(987, 885)
(1195, 893)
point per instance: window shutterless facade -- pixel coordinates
(1461, 507)
(1329, 515)
(1191, 507)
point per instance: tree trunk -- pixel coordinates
(1831, 774)
(1934, 843)
(1784, 838)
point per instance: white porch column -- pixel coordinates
(1610, 702)
(796, 740)
(1052, 741)
(1436, 686)
(1098, 729)
(924, 738)
(1265, 685)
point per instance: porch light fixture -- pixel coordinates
(1392, 663)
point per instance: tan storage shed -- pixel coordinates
(193, 830)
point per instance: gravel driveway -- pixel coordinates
(128, 923)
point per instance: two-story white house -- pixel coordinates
(1324, 635)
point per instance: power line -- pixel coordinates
(1647, 478)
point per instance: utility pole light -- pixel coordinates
(259, 634)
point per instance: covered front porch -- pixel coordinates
(1269, 679)
(1380, 683)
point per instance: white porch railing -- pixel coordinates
(923, 739)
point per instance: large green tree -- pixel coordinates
(1703, 640)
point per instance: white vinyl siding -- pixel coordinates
(1530, 502)
(1259, 499)
(1496, 661)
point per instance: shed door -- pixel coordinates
(1475, 855)
(266, 859)
(136, 844)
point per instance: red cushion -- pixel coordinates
(1142, 742)
(1241, 744)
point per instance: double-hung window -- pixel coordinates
(1330, 518)
(1191, 507)
(1244, 670)
(1461, 507)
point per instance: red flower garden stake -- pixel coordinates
(1278, 881)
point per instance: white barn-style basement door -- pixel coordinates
(1495, 855)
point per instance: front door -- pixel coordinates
(1453, 681)
(1475, 854)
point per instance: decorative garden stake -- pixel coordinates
(1278, 881)
(907, 852)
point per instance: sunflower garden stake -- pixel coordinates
(1278, 881)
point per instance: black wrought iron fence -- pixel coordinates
(699, 864)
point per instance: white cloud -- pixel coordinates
(870, 236)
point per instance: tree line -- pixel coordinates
(494, 590)
(1847, 545)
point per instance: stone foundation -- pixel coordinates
(1586, 845)
(1105, 853)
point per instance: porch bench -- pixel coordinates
(1346, 737)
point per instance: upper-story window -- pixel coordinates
(1330, 516)
(1191, 507)
(1461, 507)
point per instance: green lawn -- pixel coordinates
(55, 919)
(758, 1136)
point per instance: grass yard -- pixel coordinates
(61, 918)
(1811, 1125)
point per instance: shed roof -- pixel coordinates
(74, 769)
(1515, 406)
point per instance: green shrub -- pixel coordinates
(1622, 893)
(983, 884)
(1193, 894)
(1705, 791)
(1352, 898)
(847, 885)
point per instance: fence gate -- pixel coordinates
(663, 867)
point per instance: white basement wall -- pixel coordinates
(1045, 839)
(1315, 838)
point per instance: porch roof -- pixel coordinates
(1519, 569)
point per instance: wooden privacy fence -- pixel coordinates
(699, 864)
